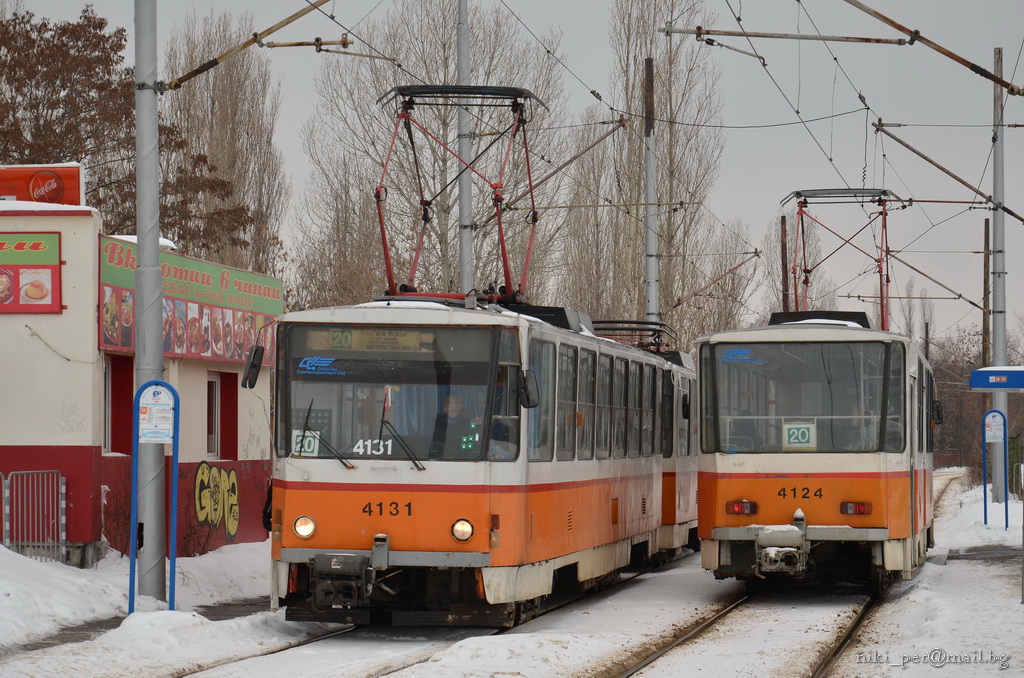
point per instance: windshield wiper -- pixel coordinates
(384, 423)
(305, 429)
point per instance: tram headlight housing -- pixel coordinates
(462, 530)
(304, 526)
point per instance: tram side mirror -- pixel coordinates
(684, 406)
(529, 392)
(936, 412)
(252, 370)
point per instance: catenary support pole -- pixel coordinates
(651, 196)
(999, 398)
(148, 295)
(784, 249)
(465, 151)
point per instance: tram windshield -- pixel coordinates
(802, 397)
(387, 392)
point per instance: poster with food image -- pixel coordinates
(35, 285)
(228, 334)
(248, 338)
(127, 318)
(204, 315)
(269, 335)
(180, 320)
(8, 284)
(30, 269)
(110, 317)
(167, 320)
(193, 331)
(217, 331)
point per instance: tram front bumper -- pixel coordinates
(778, 548)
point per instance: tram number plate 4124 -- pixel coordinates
(800, 493)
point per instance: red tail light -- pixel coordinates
(855, 508)
(741, 507)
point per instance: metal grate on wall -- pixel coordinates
(35, 514)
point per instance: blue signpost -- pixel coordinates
(993, 430)
(155, 419)
(1010, 380)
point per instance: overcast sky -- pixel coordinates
(947, 108)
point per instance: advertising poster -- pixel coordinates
(210, 311)
(62, 184)
(30, 273)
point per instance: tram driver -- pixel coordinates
(455, 436)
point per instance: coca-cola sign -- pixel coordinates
(45, 186)
(61, 183)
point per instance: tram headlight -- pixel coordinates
(304, 526)
(462, 529)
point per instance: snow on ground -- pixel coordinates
(960, 618)
(970, 610)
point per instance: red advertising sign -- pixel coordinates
(56, 184)
(30, 273)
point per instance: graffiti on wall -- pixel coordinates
(216, 497)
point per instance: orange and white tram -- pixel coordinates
(549, 473)
(816, 451)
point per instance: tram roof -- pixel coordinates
(804, 330)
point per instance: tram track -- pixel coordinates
(803, 632)
(689, 635)
(386, 634)
(827, 663)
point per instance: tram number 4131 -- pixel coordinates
(392, 508)
(800, 493)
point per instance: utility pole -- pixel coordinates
(651, 196)
(999, 397)
(986, 314)
(785, 264)
(149, 356)
(466, 153)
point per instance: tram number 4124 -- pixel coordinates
(800, 492)
(393, 508)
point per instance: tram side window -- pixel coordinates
(708, 402)
(894, 413)
(930, 413)
(585, 442)
(603, 439)
(541, 419)
(504, 445)
(619, 396)
(647, 400)
(633, 404)
(684, 420)
(665, 420)
(566, 415)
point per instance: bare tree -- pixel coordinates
(688, 150)
(803, 251)
(227, 118)
(66, 95)
(350, 127)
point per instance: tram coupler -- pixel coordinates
(783, 548)
(342, 579)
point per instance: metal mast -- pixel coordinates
(999, 397)
(651, 195)
(465, 151)
(149, 356)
